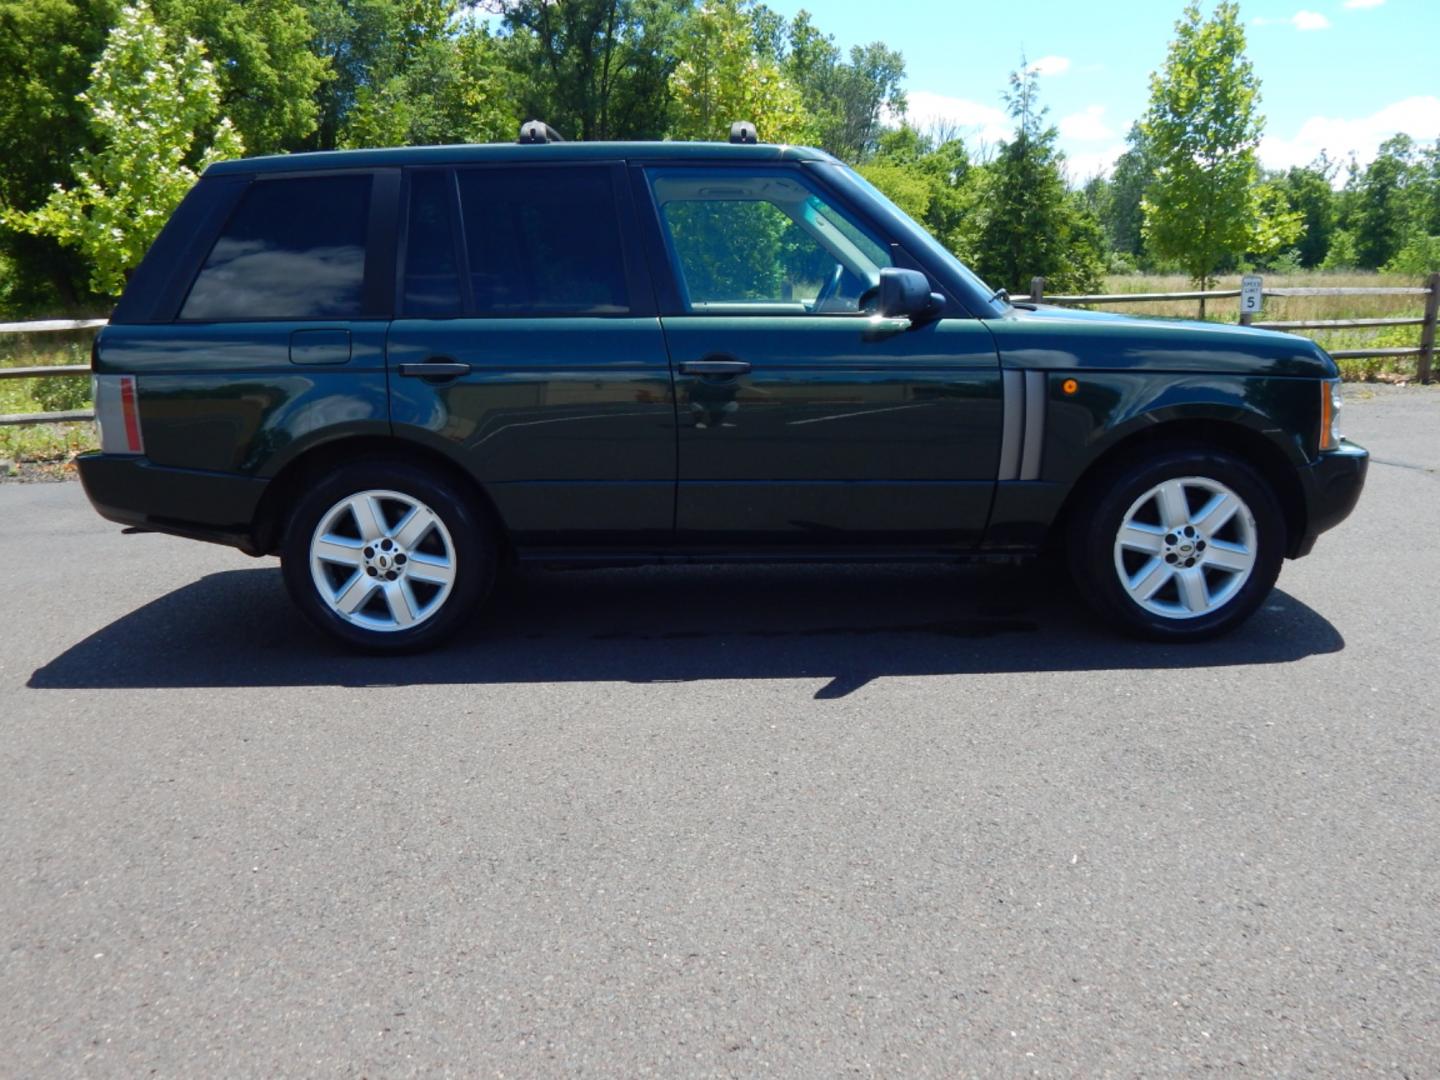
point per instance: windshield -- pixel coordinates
(917, 236)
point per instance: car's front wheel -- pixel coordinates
(1181, 546)
(387, 557)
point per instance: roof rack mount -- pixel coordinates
(533, 132)
(743, 133)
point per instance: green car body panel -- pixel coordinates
(949, 437)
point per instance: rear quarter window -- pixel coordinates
(293, 249)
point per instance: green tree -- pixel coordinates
(1082, 256)
(1386, 211)
(1032, 224)
(848, 101)
(1202, 127)
(722, 78)
(269, 76)
(1125, 213)
(440, 81)
(1308, 193)
(154, 107)
(1277, 226)
(47, 48)
(1420, 255)
(906, 186)
(1341, 254)
(935, 185)
(594, 69)
(382, 57)
(1430, 183)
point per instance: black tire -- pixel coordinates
(466, 540)
(1093, 534)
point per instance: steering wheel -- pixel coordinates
(829, 289)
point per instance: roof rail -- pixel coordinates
(743, 132)
(537, 131)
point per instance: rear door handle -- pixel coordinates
(714, 367)
(435, 369)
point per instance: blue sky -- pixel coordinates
(1340, 75)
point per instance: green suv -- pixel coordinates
(400, 369)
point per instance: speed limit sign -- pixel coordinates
(1250, 286)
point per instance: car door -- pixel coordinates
(803, 419)
(527, 347)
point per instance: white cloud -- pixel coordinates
(1051, 65)
(1362, 136)
(1087, 126)
(976, 121)
(1361, 4)
(1301, 20)
(1081, 167)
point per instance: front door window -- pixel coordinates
(764, 242)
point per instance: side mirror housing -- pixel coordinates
(906, 294)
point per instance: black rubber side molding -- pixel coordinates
(447, 369)
(714, 367)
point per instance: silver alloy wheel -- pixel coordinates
(382, 560)
(1186, 547)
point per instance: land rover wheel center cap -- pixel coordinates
(1184, 547)
(385, 560)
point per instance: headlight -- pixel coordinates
(1330, 405)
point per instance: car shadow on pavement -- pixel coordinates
(846, 624)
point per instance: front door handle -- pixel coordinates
(435, 369)
(714, 367)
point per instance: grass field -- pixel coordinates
(56, 444)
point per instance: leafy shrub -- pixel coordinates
(63, 394)
(1122, 262)
(1420, 255)
(1343, 254)
(1287, 262)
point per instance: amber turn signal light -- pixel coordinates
(1330, 405)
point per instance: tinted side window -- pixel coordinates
(432, 281)
(543, 241)
(293, 249)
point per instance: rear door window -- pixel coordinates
(293, 249)
(543, 241)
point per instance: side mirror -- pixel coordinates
(906, 294)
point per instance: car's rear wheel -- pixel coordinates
(1181, 546)
(385, 556)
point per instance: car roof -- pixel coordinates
(484, 153)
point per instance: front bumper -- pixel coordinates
(131, 490)
(1331, 485)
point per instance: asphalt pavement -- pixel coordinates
(901, 821)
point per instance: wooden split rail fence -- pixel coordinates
(47, 326)
(1423, 351)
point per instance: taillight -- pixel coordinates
(117, 414)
